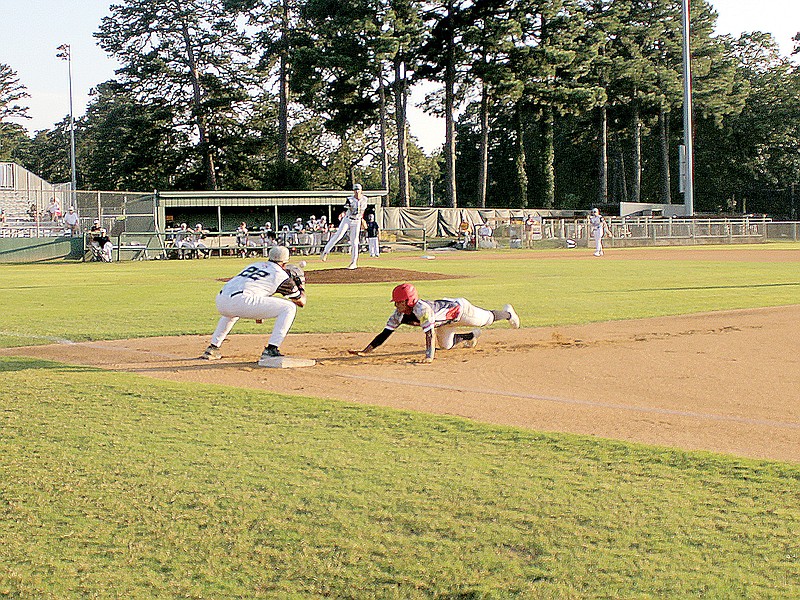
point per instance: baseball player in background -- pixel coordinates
(251, 295)
(599, 227)
(440, 316)
(373, 239)
(351, 225)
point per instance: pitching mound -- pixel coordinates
(369, 275)
(372, 275)
(724, 381)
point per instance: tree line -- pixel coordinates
(546, 103)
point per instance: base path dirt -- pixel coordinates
(724, 381)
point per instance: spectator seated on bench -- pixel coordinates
(200, 249)
(485, 239)
(101, 246)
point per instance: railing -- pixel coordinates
(788, 231)
(167, 245)
(637, 231)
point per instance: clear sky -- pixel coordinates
(34, 28)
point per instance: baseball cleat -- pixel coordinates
(476, 333)
(271, 352)
(514, 318)
(211, 353)
(323, 257)
(352, 266)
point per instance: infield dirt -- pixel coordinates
(725, 381)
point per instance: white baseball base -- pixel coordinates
(286, 362)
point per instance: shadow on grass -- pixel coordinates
(16, 363)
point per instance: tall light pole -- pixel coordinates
(688, 191)
(64, 53)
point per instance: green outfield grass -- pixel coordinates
(87, 301)
(117, 486)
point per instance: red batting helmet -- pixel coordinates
(407, 292)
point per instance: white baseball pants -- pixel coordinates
(374, 248)
(471, 316)
(252, 306)
(598, 241)
(349, 226)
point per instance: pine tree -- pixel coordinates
(188, 52)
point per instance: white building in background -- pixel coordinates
(19, 188)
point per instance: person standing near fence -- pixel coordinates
(350, 225)
(598, 227)
(373, 241)
(242, 239)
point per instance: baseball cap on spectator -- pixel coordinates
(72, 209)
(357, 187)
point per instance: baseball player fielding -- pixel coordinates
(251, 295)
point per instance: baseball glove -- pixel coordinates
(297, 274)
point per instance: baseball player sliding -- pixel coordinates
(442, 316)
(351, 225)
(251, 295)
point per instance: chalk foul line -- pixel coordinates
(557, 400)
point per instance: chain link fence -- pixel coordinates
(31, 213)
(547, 232)
(129, 217)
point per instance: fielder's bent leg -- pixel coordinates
(445, 336)
(224, 327)
(283, 321)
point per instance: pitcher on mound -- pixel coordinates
(350, 225)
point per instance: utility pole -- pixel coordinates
(65, 53)
(688, 192)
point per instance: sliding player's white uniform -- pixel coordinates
(444, 317)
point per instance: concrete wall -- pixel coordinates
(28, 250)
